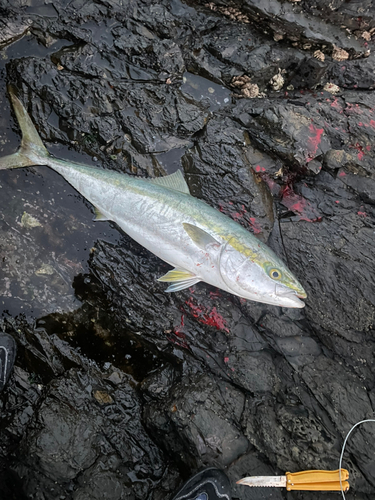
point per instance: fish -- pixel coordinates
(198, 241)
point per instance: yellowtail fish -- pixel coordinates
(199, 242)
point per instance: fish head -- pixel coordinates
(258, 274)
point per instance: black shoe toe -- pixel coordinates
(208, 484)
(8, 350)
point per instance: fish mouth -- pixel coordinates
(292, 296)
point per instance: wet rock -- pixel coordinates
(263, 123)
(298, 26)
(59, 446)
(11, 28)
(241, 49)
(354, 74)
(356, 228)
(309, 74)
(46, 276)
(199, 411)
(156, 385)
(159, 384)
(353, 16)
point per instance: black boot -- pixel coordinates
(208, 484)
(8, 351)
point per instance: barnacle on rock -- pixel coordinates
(339, 54)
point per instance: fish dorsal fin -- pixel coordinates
(200, 237)
(174, 181)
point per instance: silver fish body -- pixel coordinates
(200, 242)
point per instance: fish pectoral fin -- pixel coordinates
(99, 215)
(180, 278)
(200, 237)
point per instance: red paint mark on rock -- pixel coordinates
(255, 226)
(258, 169)
(178, 329)
(362, 214)
(180, 343)
(336, 105)
(372, 123)
(359, 148)
(177, 336)
(368, 148)
(226, 360)
(299, 205)
(240, 214)
(353, 109)
(342, 174)
(210, 318)
(272, 185)
(314, 141)
(337, 201)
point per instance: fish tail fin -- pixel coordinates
(32, 150)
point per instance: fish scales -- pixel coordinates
(150, 214)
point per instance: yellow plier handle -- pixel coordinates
(317, 480)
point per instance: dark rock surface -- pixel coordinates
(121, 390)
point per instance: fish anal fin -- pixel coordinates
(98, 215)
(180, 278)
(200, 237)
(174, 181)
(177, 275)
(181, 285)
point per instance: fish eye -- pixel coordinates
(275, 274)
